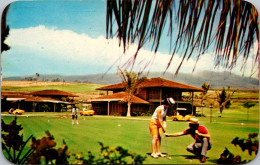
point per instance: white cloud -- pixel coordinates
(88, 55)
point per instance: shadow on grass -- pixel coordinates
(188, 157)
(191, 157)
(185, 156)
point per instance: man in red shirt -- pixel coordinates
(201, 136)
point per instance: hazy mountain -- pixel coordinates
(216, 79)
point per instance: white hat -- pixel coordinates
(194, 121)
(170, 101)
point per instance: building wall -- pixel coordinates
(100, 108)
(143, 93)
(156, 93)
(139, 109)
(174, 93)
(119, 109)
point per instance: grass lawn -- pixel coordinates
(133, 133)
(69, 87)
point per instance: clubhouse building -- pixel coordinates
(39, 101)
(151, 94)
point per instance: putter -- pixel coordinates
(168, 157)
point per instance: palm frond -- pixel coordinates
(229, 26)
(4, 30)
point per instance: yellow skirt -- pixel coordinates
(155, 128)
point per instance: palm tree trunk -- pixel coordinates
(220, 111)
(129, 109)
(247, 113)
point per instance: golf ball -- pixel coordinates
(119, 125)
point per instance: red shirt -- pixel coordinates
(197, 138)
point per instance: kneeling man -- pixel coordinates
(201, 136)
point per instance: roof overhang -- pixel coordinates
(15, 99)
(53, 101)
(106, 100)
(155, 83)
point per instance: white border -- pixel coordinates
(4, 3)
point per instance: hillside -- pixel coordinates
(216, 79)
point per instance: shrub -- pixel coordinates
(251, 145)
(13, 144)
(45, 108)
(45, 153)
(110, 155)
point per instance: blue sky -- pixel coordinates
(68, 38)
(80, 16)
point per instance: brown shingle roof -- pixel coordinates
(121, 97)
(52, 93)
(155, 82)
(42, 99)
(30, 98)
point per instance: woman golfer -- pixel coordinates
(157, 126)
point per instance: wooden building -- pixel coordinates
(40, 101)
(116, 104)
(152, 91)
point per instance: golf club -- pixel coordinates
(168, 157)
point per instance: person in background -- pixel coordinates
(157, 126)
(75, 115)
(201, 136)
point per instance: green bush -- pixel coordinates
(45, 153)
(109, 155)
(251, 145)
(13, 144)
(45, 108)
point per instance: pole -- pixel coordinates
(108, 109)
(161, 96)
(211, 106)
(193, 113)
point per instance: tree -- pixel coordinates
(224, 99)
(230, 32)
(37, 75)
(205, 86)
(248, 105)
(4, 30)
(131, 82)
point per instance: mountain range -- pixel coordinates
(215, 79)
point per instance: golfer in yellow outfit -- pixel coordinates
(158, 125)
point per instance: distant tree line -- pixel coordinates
(36, 79)
(31, 78)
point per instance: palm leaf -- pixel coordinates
(143, 21)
